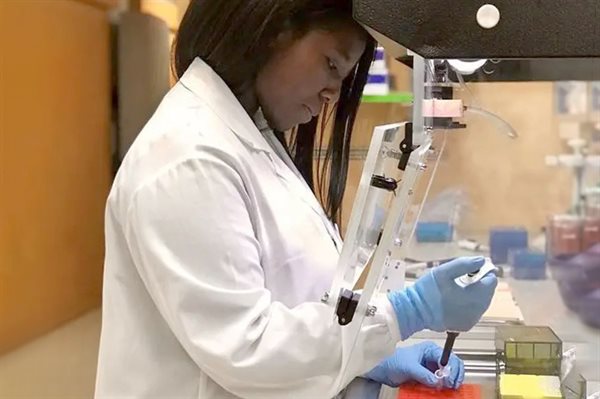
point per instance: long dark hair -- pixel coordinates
(236, 38)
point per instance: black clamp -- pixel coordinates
(406, 146)
(346, 307)
(385, 183)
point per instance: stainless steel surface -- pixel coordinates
(480, 366)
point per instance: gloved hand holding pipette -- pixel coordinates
(436, 302)
(452, 297)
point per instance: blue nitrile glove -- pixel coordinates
(437, 303)
(417, 363)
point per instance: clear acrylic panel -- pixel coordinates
(396, 178)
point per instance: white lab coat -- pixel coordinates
(217, 255)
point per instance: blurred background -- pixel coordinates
(79, 79)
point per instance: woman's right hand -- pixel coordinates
(437, 303)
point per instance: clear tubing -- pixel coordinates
(503, 126)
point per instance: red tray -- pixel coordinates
(415, 391)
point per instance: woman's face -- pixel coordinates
(300, 77)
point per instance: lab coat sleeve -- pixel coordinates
(361, 388)
(192, 239)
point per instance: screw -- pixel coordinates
(325, 297)
(422, 166)
(411, 192)
(371, 310)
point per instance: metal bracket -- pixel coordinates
(406, 146)
(385, 183)
(346, 306)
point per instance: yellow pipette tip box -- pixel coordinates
(521, 386)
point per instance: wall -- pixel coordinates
(166, 10)
(507, 180)
(54, 162)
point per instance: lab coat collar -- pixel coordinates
(201, 80)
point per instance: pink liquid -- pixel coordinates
(564, 236)
(591, 232)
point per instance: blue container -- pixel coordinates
(527, 265)
(504, 239)
(529, 274)
(526, 258)
(434, 232)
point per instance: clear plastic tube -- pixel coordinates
(461, 81)
(503, 126)
(441, 374)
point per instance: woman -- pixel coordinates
(218, 252)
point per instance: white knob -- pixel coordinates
(488, 16)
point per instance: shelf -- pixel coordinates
(392, 98)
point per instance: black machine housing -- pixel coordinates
(525, 45)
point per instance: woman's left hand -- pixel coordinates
(417, 363)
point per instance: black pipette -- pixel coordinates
(450, 338)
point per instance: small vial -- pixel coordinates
(441, 374)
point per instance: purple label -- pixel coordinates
(377, 79)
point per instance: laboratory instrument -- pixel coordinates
(445, 44)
